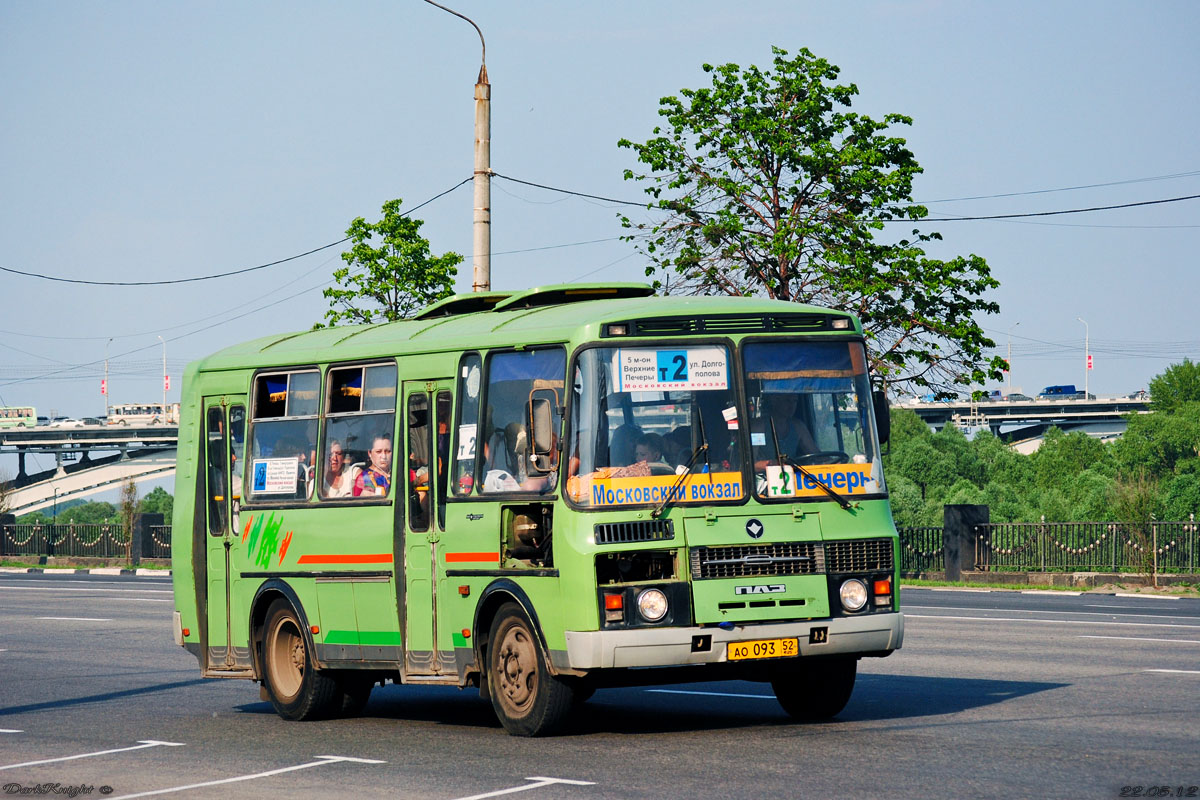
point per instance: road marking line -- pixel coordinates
(1147, 596)
(1139, 639)
(713, 694)
(320, 762)
(10, 730)
(1044, 611)
(952, 589)
(1052, 592)
(141, 745)
(78, 619)
(1053, 621)
(540, 783)
(1099, 605)
(1183, 671)
(50, 589)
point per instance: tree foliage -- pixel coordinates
(390, 272)
(770, 185)
(1179, 384)
(159, 501)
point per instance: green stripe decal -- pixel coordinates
(370, 638)
(458, 639)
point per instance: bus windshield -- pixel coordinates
(641, 417)
(809, 404)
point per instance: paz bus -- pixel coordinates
(538, 494)
(143, 414)
(18, 417)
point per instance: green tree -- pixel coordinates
(389, 273)
(129, 506)
(159, 501)
(907, 425)
(87, 513)
(1179, 384)
(5, 492)
(1159, 442)
(771, 186)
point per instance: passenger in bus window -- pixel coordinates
(376, 480)
(621, 449)
(780, 420)
(340, 477)
(649, 449)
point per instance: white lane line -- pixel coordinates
(50, 589)
(1177, 671)
(141, 745)
(1100, 605)
(713, 694)
(1140, 639)
(320, 762)
(1043, 611)
(540, 783)
(1147, 596)
(10, 730)
(1054, 621)
(78, 619)
(1063, 593)
(951, 589)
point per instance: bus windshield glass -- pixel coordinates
(809, 404)
(641, 417)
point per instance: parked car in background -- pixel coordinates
(1066, 391)
(88, 422)
(1017, 397)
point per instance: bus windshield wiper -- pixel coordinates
(687, 470)
(786, 460)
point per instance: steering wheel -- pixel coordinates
(823, 457)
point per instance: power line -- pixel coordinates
(222, 274)
(1052, 213)
(1065, 188)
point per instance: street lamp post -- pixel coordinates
(482, 280)
(107, 393)
(1086, 353)
(164, 380)
(1008, 361)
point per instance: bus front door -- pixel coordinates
(422, 474)
(224, 443)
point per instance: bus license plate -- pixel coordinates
(763, 648)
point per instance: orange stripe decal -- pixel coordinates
(366, 558)
(458, 558)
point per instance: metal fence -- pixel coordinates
(1158, 547)
(80, 540)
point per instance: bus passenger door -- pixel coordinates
(422, 475)
(224, 440)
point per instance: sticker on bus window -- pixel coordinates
(731, 418)
(847, 479)
(275, 475)
(466, 442)
(689, 369)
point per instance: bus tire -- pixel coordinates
(528, 700)
(297, 690)
(814, 690)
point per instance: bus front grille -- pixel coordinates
(741, 561)
(650, 530)
(860, 555)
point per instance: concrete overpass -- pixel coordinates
(138, 453)
(1023, 423)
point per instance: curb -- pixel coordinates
(141, 572)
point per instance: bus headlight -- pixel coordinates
(853, 594)
(652, 604)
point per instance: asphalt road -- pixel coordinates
(998, 694)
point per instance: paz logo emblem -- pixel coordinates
(754, 529)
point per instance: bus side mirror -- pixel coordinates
(883, 415)
(541, 429)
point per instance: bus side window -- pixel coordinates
(468, 446)
(418, 462)
(217, 478)
(443, 453)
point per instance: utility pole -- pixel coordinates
(1008, 361)
(1086, 356)
(107, 392)
(482, 279)
(164, 405)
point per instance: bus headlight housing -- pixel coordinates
(853, 593)
(652, 604)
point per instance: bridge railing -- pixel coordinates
(87, 540)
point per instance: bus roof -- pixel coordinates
(544, 314)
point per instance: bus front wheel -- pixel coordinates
(296, 689)
(815, 690)
(528, 700)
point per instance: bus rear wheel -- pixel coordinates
(297, 690)
(814, 690)
(528, 700)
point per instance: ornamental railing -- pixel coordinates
(86, 540)
(922, 548)
(1151, 547)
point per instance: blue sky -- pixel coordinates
(149, 140)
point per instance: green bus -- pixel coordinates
(18, 417)
(539, 494)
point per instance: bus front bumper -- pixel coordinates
(874, 634)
